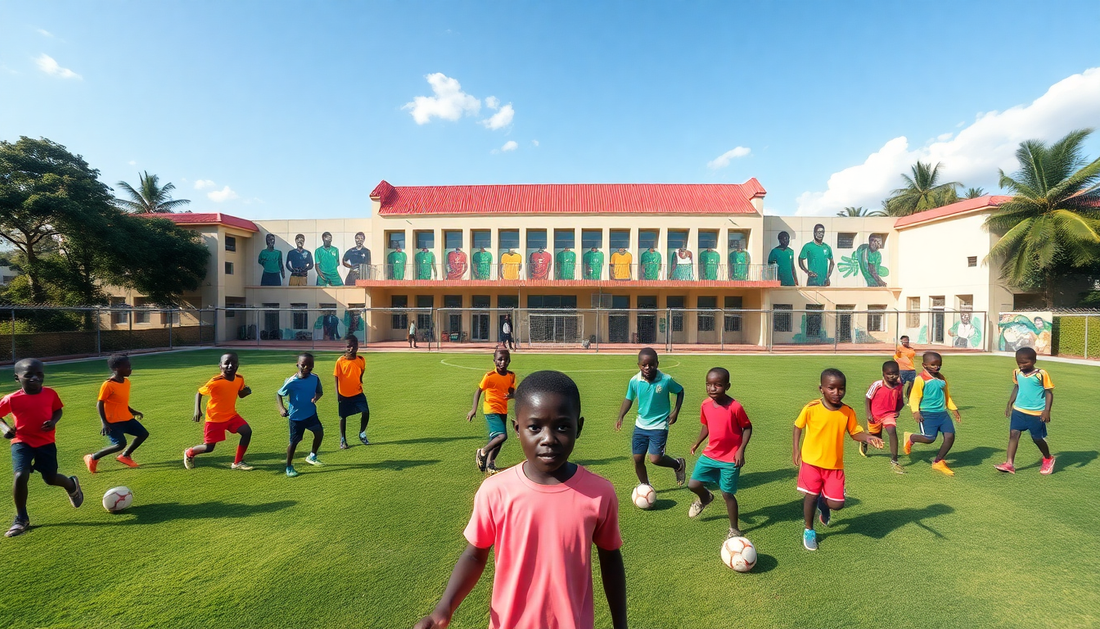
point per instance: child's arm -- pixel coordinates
(473, 410)
(675, 414)
(704, 432)
(50, 423)
(1045, 415)
(868, 438)
(103, 427)
(198, 408)
(471, 563)
(915, 395)
(245, 392)
(613, 575)
(336, 385)
(1012, 400)
(739, 458)
(867, 406)
(796, 452)
(511, 393)
(319, 393)
(951, 403)
(282, 406)
(622, 412)
(6, 430)
(136, 413)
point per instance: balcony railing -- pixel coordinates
(607, 272)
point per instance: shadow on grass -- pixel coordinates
(879, 524)
(662, 504)
(973, 457)
(614, 459)
(1064, 460)
(424, 440)
(166, 511)
(767, 516)
(764, 563)
(756, 479)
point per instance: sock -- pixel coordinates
(189, 453)
(363, 434)
(240, 454)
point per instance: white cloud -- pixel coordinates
(47, 64)
(220, 196)
(723, 160)
(132, 162)
(535, 142)
(43, 32)
(203, 184)
(972, 156)
(501, 119)
(448, 103)
(510, 145)
(492, 102)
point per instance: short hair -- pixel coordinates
(114, 361)
(502, 350)
(302, 355)
(329, 234)
(722, 371)
(784, 233)
(25, 364)
(360, 234)
(892, 365)
(647, 351)
(233, 354)
(1027, 352)
(302, 236)
(548, 382)
(819, 225)
(929, 355)
(833, 373)
(353, 340)
(903, 336)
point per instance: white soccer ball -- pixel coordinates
(738, 554)
(117, 498)
(644, 496)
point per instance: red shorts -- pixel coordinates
(213, 432)
(875, 425)
(816, 480)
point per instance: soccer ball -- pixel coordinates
(117, 498)
(644, 496)
(739, 554)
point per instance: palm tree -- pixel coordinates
(973, 193)
(859, 212)
(922, 191)
(1052, 223)
(150, 198)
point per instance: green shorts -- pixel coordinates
(720, 473)
(497, 423)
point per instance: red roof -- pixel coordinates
(571, 198)
(207, 218)
(959, 207)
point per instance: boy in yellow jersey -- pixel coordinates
(116, 416)
(350, 398)
(930, 401)
(499, 386)
(1029, 409)
(221, 413)
(820, 459)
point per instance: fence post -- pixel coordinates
(1086, 336)
(722, 332)
(170, 330)
(98, 331)
(769, 329)
(13, 357)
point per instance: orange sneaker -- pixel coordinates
(941, 466)
(91, 463)
(908, 443)
(125, 460)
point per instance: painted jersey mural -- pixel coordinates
(967, 331)
(327, 261)
(354, 257)
(593, 264)
(511, 263)
(395, 263)
(271, 259)
(425, 264)
(709, 261)
(651, 264)
(681, 265)
(566, 264)
(456, 264)
(739, 262)
(816, 259)
(1025, 329)
(483, 264)
(299, 261)
(867, 262)
(539, 266)
(783, 258)
(620, 264)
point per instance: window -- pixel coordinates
(781, 321)
(677, 238)
(620, 239)
(509, 239)
(647, 302)
(452, 239)
(425, 239)
(170, 317)
(738, 240)
(648, 238)
(452, 301)
(591, 238)
(912, 317)
(122, 315)
(395, 240)
(732, 322)
(845, 240)
(482, 238)
(479, 301)
(708, 240)
(299, 316)
(972, 261)
(536, 238)
(507, 301)
(229, 268)
(141, 312)
(676, 303)
(424, 319)
(964, 302)
(705, 319)
(230, 243)
(399, 321)
(564, 238)
(568, 302)
(232, 303)
(876, 319)
(813, 319)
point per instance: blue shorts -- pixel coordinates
(353, 405)
(27, 459)
(497, 423)
(1022, 421)
(117, 431)
(721, 473)
(934, 422)
(908, 375)
(298, 428)
(651, 441)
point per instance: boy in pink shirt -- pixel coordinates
(541, 518)
(884, 401)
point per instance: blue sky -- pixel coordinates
(295, 109)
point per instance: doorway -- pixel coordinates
(647, 319)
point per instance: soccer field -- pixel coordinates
(369, 540)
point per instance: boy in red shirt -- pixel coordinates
(884, 401)
(499, 386)
(541, 519)
(36, 410)
(727, 430)
(221, 413)
(116, 416)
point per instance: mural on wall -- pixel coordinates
(651, 264)
(271, 260)
(456, 264)
(327, 261)
(511, 263)
(620, 264)
(566, 264)
(783, 257)
(816, 259)
(739, 261)
(329, 325)
(1025, 329)
(483, 264)
(681, 264)
(967, 331)
(395, 263)
(593, 264)
(354, 257)
(709, 261)
(866, 261)
(353, 324)
(299, 261)
(425, 264)
(540, 263)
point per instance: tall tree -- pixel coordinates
(859, 212)
(922, 191)
(1052, 223)
(973, 193)
(150, 197)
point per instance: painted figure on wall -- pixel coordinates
(510, 265)
(816, 259)
(593, 264)
(709, 261)
(395, 263)
(483, 264)
(540, 264)
(425, 264)
(354, 257)
(866, 261)
(967, 331)
(329, 325)
(681, 264)
(566, 264)
(456, 264)
(271, 259)
(783, 258)
(299, 261)
(353, 323)
(651, 264)
(739, 261)
(620, 264)
(1025, 330)
(327, 259)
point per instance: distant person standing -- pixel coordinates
(506, 339)
(299, 261)
(783, 259)
(412, 334)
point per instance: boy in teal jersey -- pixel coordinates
(930, 400)
(652, 388)
(1029, 409)
(271, 259)
(303, 389)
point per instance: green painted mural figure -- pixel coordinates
(866, 261)
(483, 264)
(566, 264)
(709, 262)
(271, 259)
(327, 259)
(651, 264)
(395, 263)
(681, 263)
(816, 259)
(593, 264)
(967, 331)
(783, 258)
(425, 264)
(739, 262)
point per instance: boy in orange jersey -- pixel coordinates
(499, 386)
(350, 398)
(116, 416)
(221, 413)
(904, 356)
(820, 459)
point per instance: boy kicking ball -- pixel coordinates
(1029, 409)
(303, 389)
(652, 387)
(224, 390)
(116, 416)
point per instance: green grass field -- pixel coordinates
(370, 539)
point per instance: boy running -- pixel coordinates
(221, 413)
(930, 401)
(303, 389)
(541, 519)
(350, 398)
(116, 416)
(499, 386)
(904, 356)
(35, 410)
(1029, 409)
(883, 404)
(727, 430)
(651, 387)
(820, 459)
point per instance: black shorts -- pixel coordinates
(27, 459)
(298, 428)
(353, 405)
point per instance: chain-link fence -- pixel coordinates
(1076, 334)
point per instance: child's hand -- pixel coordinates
(694, 448)
(104, 430)
(139, 415)
(1008, 412)
(9, 432)
(672, 417)
(619, 424)
(197, 417)
(1045, 417)
(916, 417)
(739, 459)
(875, 441)
(245, 392)
(284, 413)
(958, 418)
(471, 415)
(49, 424)
(433, 621)
(314, 400)
(797, 458)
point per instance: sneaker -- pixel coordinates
(91, 462)
(1047, 467)
(125, 460)
(825, 514)
(809, 539)
(681, 471)
(908, 442)
(76, 496)
(188, 459)
(343, 444)
(479, 459)
(1007, 467)
(491, 468)
(18, 527)
(897, 468)
(241, 466)
(291, 472)
(863, 449)
(363, 439)
(941, 466)
(733, 532)
(312, 459)
(697, 507)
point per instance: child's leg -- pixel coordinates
(245, 432)
(290, 452)
(318, 435)
(202, 448)
(140, 435)
(809, 506)
(639, 469)
(1044, 448)
(111, 449)
(699, 489)
(59, 480)
(343, 429)
(19, 493)
(364, 419)
(664, 460)
(1013, 443)
(731, 510)
(296, 433)
(892, 431)
(945, 447)
(492, 449)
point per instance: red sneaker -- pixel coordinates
(1047, 467)
(125, 460)
(1005, 467)
(91, 463)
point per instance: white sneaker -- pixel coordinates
(312, 459)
